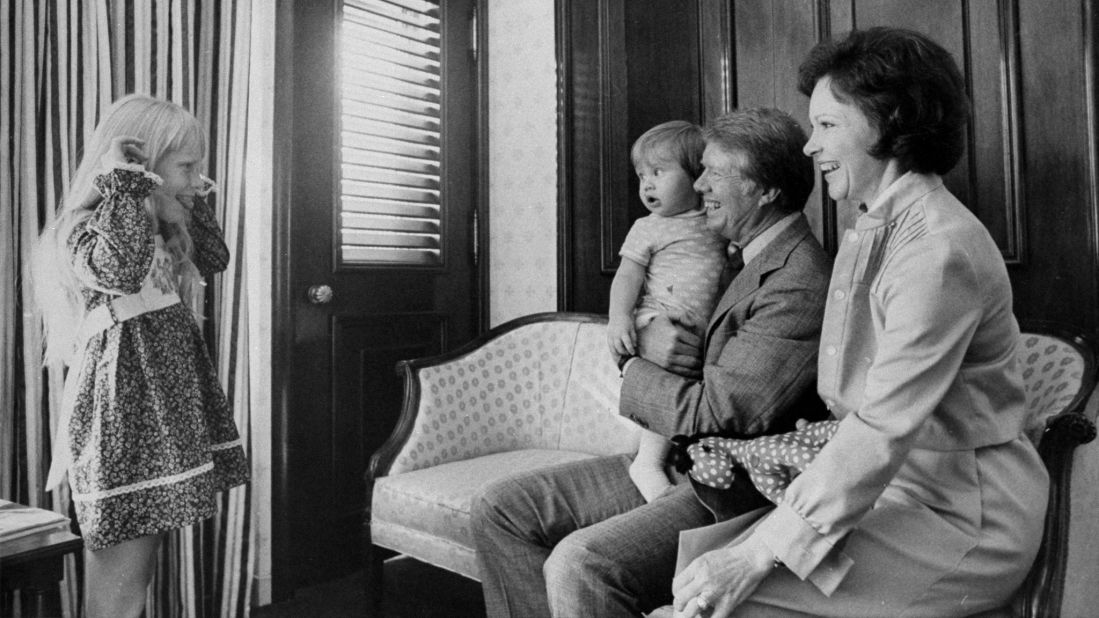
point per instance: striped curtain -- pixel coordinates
(62, 62)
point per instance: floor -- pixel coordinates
(412, 590)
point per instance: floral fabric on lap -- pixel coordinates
(770, 461)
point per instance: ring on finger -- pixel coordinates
(703, 600)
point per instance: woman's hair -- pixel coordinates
(677, 140)
(771, 142)
(164, 127)
(907, 85)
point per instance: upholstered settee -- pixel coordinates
(534, 392)
(542, 389)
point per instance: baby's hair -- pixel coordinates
(164, 127)
(676, 140)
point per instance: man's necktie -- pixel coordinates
(736, 256)
(735, 263)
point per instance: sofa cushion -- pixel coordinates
(439, 497)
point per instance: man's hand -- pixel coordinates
(671, 345)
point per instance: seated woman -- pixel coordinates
(928, 499)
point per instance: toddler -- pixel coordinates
(671, 264)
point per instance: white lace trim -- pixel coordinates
(132, 487)
(221, 446)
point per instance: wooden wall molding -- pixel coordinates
(1014, 183)
(614, 141)
(1091, 84)
(563, 52)
(830, 222)
(717, 50)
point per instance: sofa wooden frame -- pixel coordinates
(1043, 591)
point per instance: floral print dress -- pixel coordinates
(151, 435)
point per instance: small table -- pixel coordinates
(35, 564)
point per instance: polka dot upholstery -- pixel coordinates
(544, 385)
(1053, 372)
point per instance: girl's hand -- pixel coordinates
(716, 582)
(621, 337)
(125, 150)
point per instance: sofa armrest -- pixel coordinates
(382, 459)
(590, 422)
(1043, 590)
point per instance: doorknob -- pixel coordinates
(320, 294)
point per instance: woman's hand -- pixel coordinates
(124, 150)
(672, 346)
(716, 582)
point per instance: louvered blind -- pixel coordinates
(390, 132)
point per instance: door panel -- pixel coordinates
(365, 351)
(341, 395)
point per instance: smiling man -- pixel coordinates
(579, 539)
(761, 344)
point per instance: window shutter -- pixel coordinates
(389, 207)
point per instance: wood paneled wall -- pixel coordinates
(1030, 170)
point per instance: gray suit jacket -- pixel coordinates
(760, 351)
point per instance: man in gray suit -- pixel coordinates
(579, 539)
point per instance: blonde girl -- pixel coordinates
(146, 434)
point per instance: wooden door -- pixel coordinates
(341, 327)
(1030, 172)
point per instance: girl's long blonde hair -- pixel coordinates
(165, 127)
